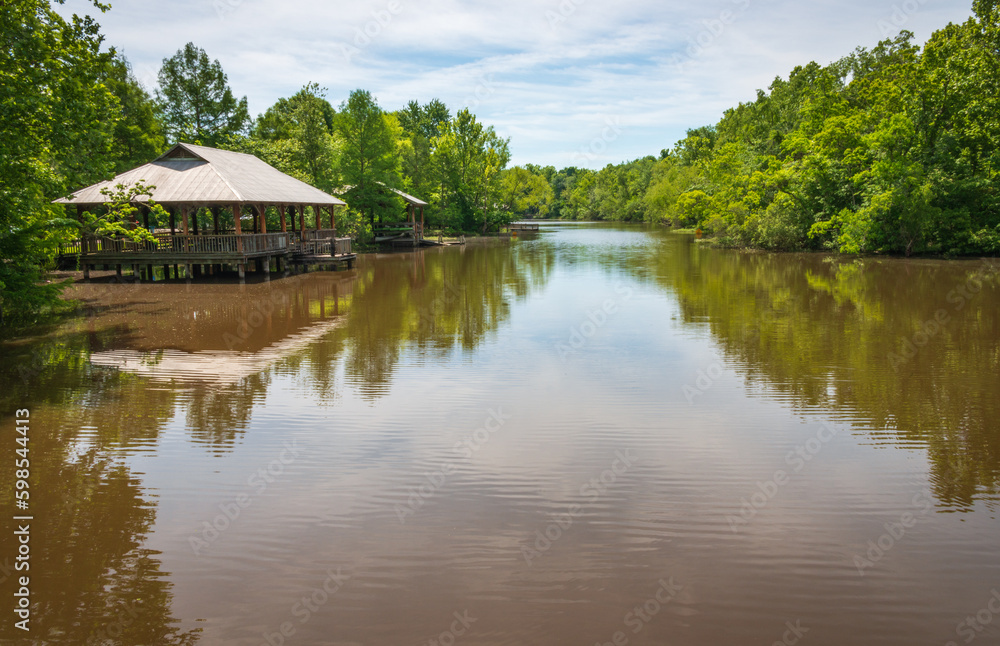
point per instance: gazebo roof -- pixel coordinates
(201, 176)
(416, 201)
(409, 199)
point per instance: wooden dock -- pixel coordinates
(523, 227)
(201, 254)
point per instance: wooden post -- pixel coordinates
(318, 224)
(243, 271)
(302, 221)
(293, 218)
(263, 217)
(194, 221)
(184, 219)
(215, 219)
(421, 222)
(333, 225)
(281, 212)
(145, 217)
(86, 272)
(173, 221)
(239, 231)
(118, 273)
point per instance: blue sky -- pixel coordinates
(571, 82)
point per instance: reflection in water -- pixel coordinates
(911, 346)
(92, 579)
(476, 432)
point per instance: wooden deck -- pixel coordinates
(523, 226)
(311, 247)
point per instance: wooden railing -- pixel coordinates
(341, 246)
(193, 244)
(324, 247)
(320, 234)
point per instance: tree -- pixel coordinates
(420, 125)
(472, 157)
(303, 126)
(368, 162)
(138, 134)
(525, 193)
(195, 101)
(55, 135)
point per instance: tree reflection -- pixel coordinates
(864, 336)
(436, 301)
(91, 579)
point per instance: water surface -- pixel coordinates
(595, 430)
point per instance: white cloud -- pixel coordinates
(550, 75)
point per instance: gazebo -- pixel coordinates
(402, 228)
(187, 178)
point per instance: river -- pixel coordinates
(596, 434)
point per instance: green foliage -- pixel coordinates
(195, 101)
(472, 158)
(368, 163)
(893, 150)
(55, 135)
(525, 193)
(138, 134)
(119, 216)
(302, 128)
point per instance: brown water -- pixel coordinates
(597, 435)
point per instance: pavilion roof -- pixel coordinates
(416, 201)
(203, 176)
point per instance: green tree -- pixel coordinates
(195, 101)
(421, 174)
(472, 157)
(525, 193)
(303, 127)
(138, 134)
(55, 135)
(368, 162)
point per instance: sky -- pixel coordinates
(570, 82)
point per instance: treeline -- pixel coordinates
(890, 150)
(72, 113)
